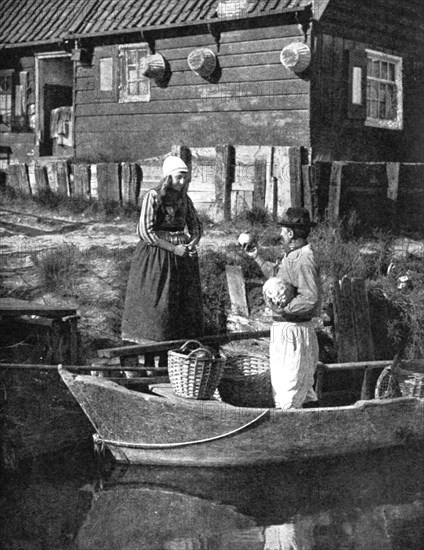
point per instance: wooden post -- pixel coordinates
(224, 177)
(260, 182)
(335, 191)
(295, 171)
(306, 186)
(130, 183)
(81, 180)
(108, 182)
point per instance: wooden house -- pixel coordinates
(124, 80)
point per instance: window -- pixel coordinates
(6, 87)
(384, 91)
(133, 85)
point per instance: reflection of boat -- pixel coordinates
(163, 429)
(139, 516)
(366, 501)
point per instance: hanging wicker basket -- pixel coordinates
(202, 61)
(194, 370)
(296, 57)
(155, 66)
(246, 382)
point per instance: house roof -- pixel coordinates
(44, 21)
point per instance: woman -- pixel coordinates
(163, 299)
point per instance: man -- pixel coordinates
(294, 344)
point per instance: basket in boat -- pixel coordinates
(246, 381)
(194, 370)
(395, 381)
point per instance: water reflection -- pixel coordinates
(370, 502)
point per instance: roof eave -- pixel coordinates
(153, 28)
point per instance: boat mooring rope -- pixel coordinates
(99, 440)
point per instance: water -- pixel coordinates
(369, 502)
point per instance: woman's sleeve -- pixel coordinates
(194, 225)
(147, 218)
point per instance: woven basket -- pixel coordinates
(246, 382)
(395, 381)
(194, 371)
(202, 61)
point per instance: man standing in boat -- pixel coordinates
(294, 344)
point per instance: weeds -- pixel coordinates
(58, 268)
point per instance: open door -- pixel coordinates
(54, 105)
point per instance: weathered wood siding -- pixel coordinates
(392, 26)
(255, 101)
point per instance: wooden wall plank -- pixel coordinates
(41, 180)
(294, 102)
(129, 137)
(131, 176)
(281, 172)
(362, 320)
(62, 177)
(81, 183)
(344, 322)
(17, 178)
(237, 290)
(335, 191)
(108, 179)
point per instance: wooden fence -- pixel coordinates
(227, 180)
(382, 194)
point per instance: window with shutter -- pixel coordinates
(133, 86)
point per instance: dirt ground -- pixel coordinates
(24, 235)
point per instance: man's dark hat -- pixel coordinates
(296, 217)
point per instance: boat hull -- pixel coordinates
(165, 430)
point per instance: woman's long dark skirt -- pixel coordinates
(163, 299)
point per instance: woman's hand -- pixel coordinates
(181, 250)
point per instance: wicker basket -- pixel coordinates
(395, 381)
(194, 371)
(246, 382)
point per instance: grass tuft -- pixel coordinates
(58, 268)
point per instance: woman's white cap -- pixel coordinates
(173, 164)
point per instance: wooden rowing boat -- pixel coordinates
(162, 429)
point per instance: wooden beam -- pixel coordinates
(150, 346)
(14, 308)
